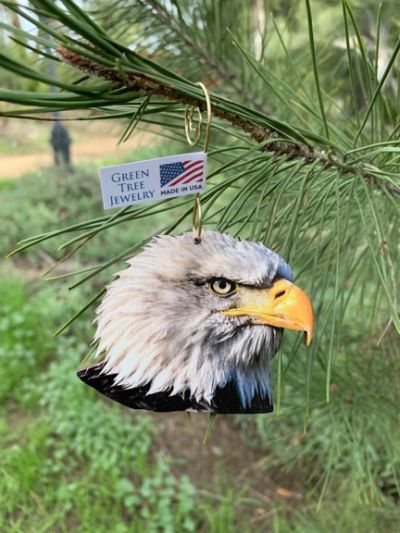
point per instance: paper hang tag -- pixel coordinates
(154, 179)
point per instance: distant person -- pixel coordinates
(61, 142)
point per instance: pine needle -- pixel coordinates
(210, 424)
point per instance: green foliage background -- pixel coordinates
(322, 75)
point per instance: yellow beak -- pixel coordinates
(283, 305)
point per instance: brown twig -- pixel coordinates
(141, 83)
(146, 86)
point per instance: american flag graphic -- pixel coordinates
(181, 173)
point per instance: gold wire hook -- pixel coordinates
(197, 219)
(189, 128)
(208, 109)
(197, 213)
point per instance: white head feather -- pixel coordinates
(160, 324)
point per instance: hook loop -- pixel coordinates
(208, 109)
(189, 129)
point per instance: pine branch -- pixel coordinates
(148, 87)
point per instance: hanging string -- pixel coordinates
(189, 130)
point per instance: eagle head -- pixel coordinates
(194, 326)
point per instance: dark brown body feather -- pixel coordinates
(226, 399)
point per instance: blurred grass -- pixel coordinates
(66, 456)
(71, 462)
(37, 204)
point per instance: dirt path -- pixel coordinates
(15, 166)
(88, 144)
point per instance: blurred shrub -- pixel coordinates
(9, 79)
(350, 447)
(25, 341)
(49, 199)
(67, 454)
(90, 429)
(42, 202)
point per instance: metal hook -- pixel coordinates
(197, 219)
(189, 128)
(197, 213)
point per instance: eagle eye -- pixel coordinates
(222, 286)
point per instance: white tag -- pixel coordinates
(154, 179)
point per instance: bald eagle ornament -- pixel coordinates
(193, 327)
